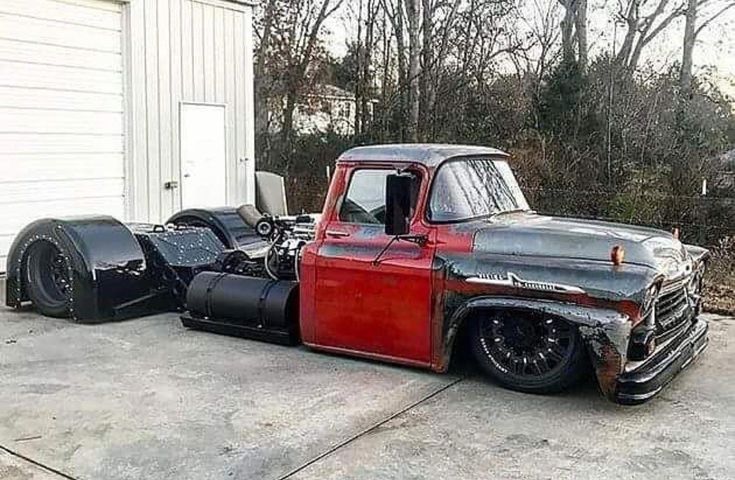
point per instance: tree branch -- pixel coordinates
(713, 18)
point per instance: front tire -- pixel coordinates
(527, 351)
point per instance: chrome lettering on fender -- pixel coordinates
(513, 280)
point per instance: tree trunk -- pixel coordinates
(288, 117)
(567, 30)
(580, 22)
(385, 82)
(631, 20)
(413, 11)
(397, 19)
(261, 80)
(425, 106)
(359, 72)
(690, 36)
(367, 77)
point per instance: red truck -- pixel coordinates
(415, 244)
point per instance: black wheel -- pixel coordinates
(528, 351)
(48, 279)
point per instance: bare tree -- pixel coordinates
(540, 25)
(395, 13)
(580, 24)
(413, 14)
(567, 29)
(574, 32)
(426, 85)
(364, 46)
(263, 84)
(290, 45)
(712, 10)
(439, 19)
(643, 25)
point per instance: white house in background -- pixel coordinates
(327, 108)
(131, 108)
(726, 175)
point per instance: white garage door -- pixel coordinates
(61, 111)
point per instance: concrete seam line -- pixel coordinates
(38, 464)
(369, 429)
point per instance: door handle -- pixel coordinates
(337, 233)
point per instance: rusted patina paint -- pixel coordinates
(439, 359)
(517, 260)
(607, 349)
(604, 301)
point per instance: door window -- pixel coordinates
(365, 199)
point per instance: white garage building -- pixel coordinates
(133, 108)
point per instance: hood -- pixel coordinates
(530, 234)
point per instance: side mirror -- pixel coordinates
(398, 204)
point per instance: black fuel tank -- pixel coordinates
(250, 307)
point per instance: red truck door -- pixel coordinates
(365, 305)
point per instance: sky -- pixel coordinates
(715, 50)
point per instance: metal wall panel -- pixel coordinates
(90, 94)
(48, 30)
(62, 123)
(60, 100)
(192, 51)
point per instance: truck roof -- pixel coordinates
(429, 154)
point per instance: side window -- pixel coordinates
(365, 198)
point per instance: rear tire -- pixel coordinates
(528, 351)
(48, 279)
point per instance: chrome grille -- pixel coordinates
(672, 309)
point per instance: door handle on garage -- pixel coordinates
(337, 233)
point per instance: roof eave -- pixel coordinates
(247, 3)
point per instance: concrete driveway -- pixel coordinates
(148, 399)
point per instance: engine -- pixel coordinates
(286, 237)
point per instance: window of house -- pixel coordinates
(345, 109)
(365, 198)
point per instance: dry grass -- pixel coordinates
(720, 279)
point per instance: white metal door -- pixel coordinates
(203, 167)
(61, 111)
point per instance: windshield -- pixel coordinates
(472, 188)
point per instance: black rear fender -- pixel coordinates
(224, 222)
(107, 266)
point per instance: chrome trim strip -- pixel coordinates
(513, 280)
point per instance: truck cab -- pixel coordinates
(364, 293)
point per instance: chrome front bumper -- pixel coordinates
(646, 379)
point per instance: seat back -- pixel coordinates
(270, 193)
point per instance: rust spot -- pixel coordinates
(608, 369)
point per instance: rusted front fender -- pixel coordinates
(605, 332)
